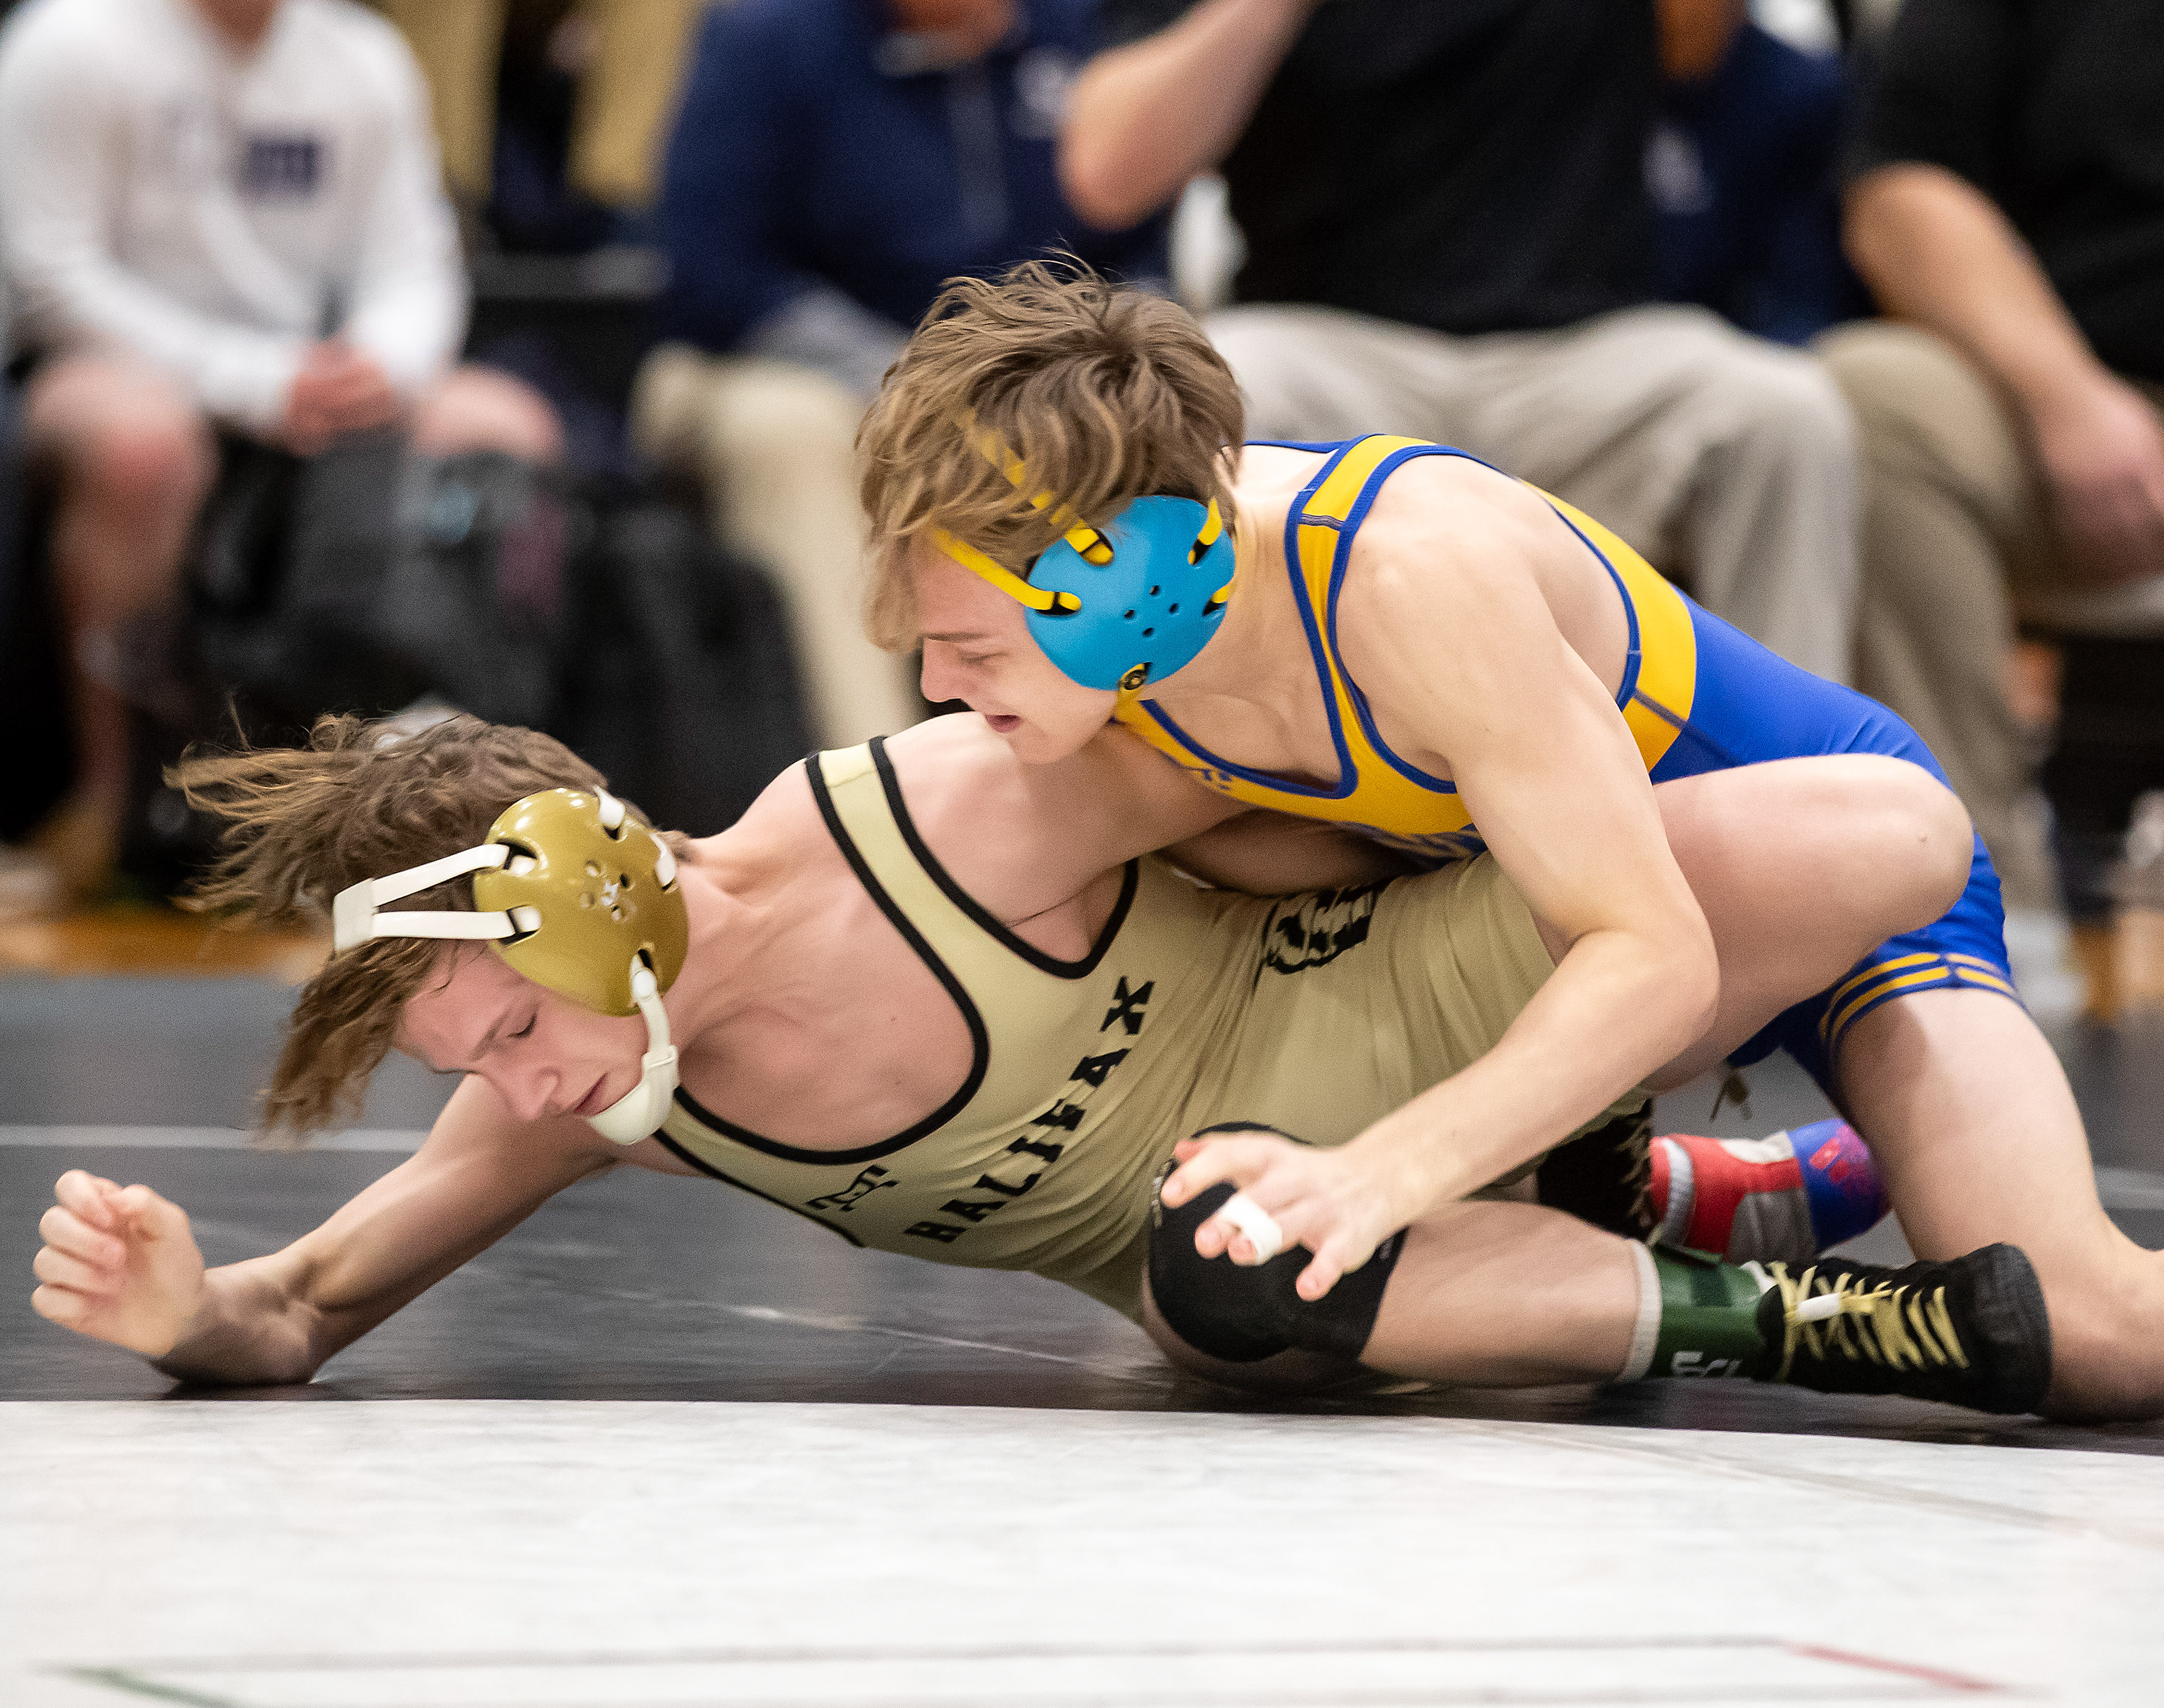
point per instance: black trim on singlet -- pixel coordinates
(980, 1045)
(985, 922)
(682, 1154)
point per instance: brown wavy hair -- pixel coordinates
(361, 799)
(1106, 393)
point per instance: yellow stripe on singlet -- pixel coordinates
(1832, 1027)
(1877, 971)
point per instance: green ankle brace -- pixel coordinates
(1709, 1317)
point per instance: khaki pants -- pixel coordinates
(626, 97)
(1956, 544)
(774, 446)
(1728, 461)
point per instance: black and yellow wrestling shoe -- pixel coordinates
(1971, 1332)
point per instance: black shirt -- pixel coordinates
(2055, 109)
(1470, 165)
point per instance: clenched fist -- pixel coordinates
(119, 1264)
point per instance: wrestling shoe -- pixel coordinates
(1970, 1332)
(1785, 1199)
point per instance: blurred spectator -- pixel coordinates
(834, 161)
(1448, 234)
(222, 218)
(26, 884)
(2006, 210)
(550, 112)
(1742, 169)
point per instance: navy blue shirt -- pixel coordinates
(1742, 171)
(812, 153)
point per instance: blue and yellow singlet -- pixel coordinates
(1377, 792)
(1697, 693)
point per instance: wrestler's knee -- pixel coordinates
(1240, 1317)
(1921, 826)
(1283, 1373)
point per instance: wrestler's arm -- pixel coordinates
(1551, 774)
(1267, 853)
(120, 1263)
(1549, 770)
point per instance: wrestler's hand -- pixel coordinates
(1338, 1203)
(118, 1264)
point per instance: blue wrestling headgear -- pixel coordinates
(1119, 607)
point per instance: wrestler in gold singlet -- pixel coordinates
(1185, 1015)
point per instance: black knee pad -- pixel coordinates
(1242, 1315)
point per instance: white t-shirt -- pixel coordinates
(215, 214)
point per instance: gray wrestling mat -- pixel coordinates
(669, 1445)
(562, 1555)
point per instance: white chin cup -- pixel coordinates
(1252, 1219)
(640, 1113)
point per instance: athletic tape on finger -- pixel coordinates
(1252, 1219)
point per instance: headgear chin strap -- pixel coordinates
(574, 895)
(1119, 606)
(640, 1113)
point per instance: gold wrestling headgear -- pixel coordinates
(578, 896)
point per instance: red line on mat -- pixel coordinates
(1952, 1681)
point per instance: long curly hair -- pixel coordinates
(362, 799)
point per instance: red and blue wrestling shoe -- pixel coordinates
(1785, 1198)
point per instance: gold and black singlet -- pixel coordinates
(1314, 1014)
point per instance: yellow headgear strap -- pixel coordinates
(1088, 542)
(1093, 546)
(1012, 584)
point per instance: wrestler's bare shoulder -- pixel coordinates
(1443, 520)
(776, 828)
(1465, 510)
(942, 762)
(1433, 517)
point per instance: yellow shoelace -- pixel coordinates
(1899, 1327)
